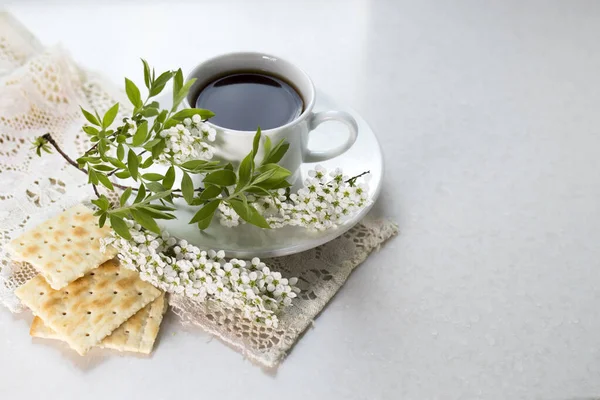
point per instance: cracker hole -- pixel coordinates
(87, 334)
(115, 292)
(91, 292)
(87, 254)
(140, 293)
(64, 313)
(77, 213)
(40, 257)
(92, 238)
(73, 226)
(114, 312)
(50, 227)
(69, 239)
(63, 255)
(127, 332)
(58, 271)
(66, 292)
(22, 244)
(41, 293)
(93, 273)
(117, 274)
(45, 242)
(89, 312)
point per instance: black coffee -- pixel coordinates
(246, 100)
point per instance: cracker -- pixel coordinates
(137, 334)
(65, 247)
(89, 309)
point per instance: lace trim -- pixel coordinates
(320, 271)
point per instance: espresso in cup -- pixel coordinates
(246, 100)
(251, 90)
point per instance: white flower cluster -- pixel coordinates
(176, 266)
(324, 201)
(188, 141)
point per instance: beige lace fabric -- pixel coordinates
(41, 91)
(321, 273)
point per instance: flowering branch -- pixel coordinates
(178, 267)
(256, 192)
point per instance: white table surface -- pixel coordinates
(489, 117)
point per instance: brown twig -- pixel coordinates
(51, 140)
(48, 137)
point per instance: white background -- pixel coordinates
(489, 118)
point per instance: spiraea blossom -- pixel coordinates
(176, 266)
(325, 200)
(188, 141)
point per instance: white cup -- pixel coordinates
(233, 145)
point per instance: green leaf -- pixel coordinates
(102, 220)
(187, 188)
(123, 174)
(90, 117)
(117, 163)
(155, 187)
(120, 152)
(207, 211)
(133, 93)
(146, 73)
(132, 164)
(103, 168)
(125, 196)
(90, 130)
(105, 181)
(190, 112)
(159, 84)
(156, 213)
(140, 134)
(210, 192)
(277, 153)
(145, 220)
(256, 142)
(170, 123)
(267, 147)
(102, 202)
(223, 177)
(162, 116)
(205, 223)
(92, 177)
(169, 178)
(177, 83)
(271, 174)
(151, 176)
(120, 227)
(149, 161)
(110, 116)
(245, 171)
(249, 214)
(195, 165)
(182, 93)
(158, 196)
(149, 112)
(160, 207)
(158, 149)
(141, 194)
(151, 143)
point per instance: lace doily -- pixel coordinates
(320, 271)
(41, 91)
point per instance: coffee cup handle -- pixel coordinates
(317, 119)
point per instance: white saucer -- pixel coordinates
(250, 241)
